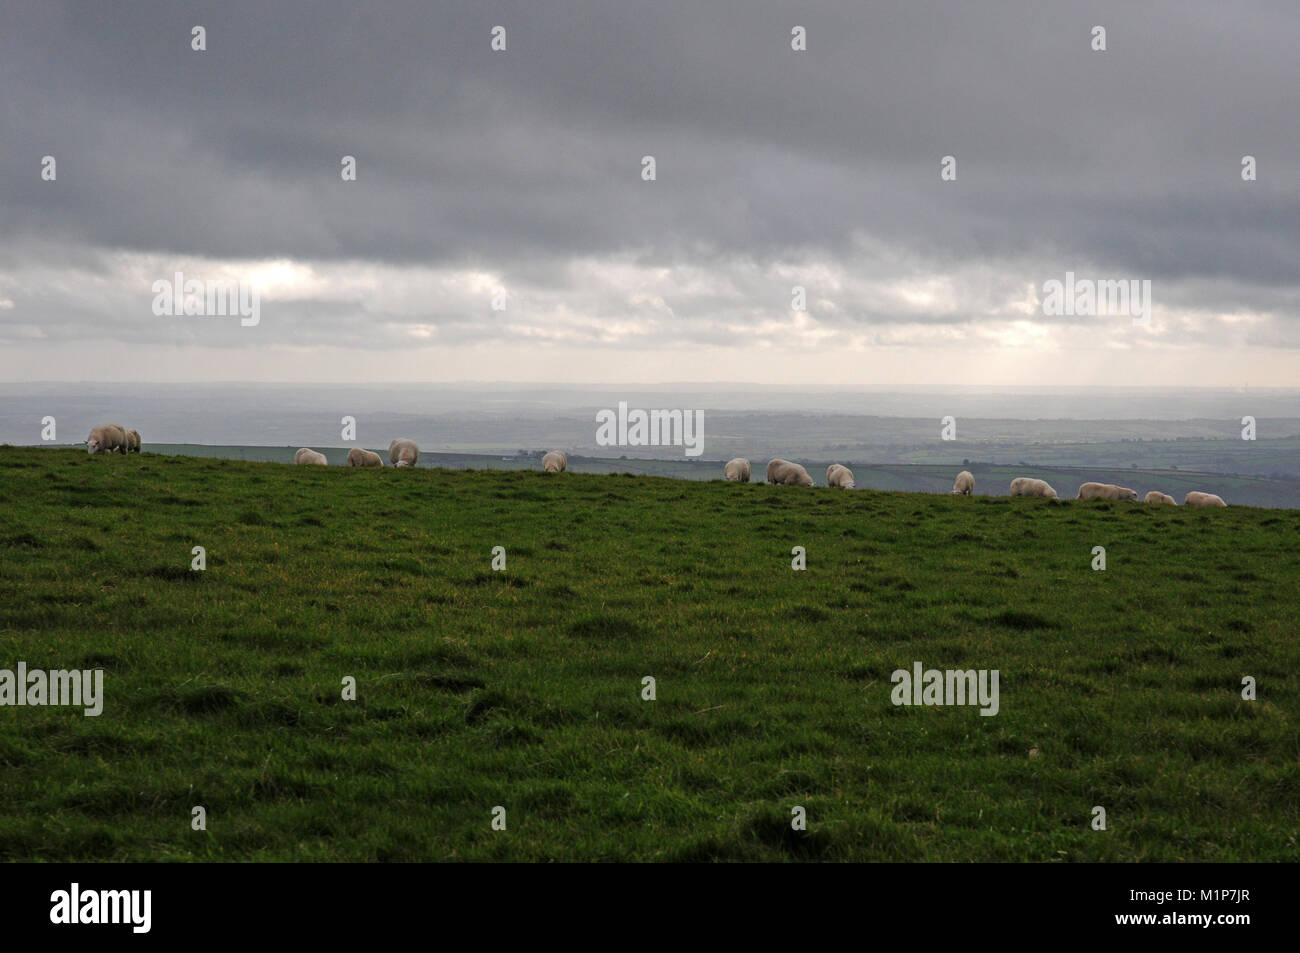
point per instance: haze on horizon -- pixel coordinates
(520, 173)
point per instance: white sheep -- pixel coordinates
(364, 458)
(787, 473)
(557, 461)
(403, 452)
(307, 456)
(1106, 491)
(1155, 496)
(737, 470)
(1028, 486)
(1197, 498)
(964, 485)
(109, 438)
(838, 475)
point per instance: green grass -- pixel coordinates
(990, 478)
(522, 689)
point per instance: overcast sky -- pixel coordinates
(521, 172)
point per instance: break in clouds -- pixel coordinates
(516, 177)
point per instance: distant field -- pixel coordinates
(1119, 688)
(1263, 457)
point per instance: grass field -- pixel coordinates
(990, 478)
(523, 688)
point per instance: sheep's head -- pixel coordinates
(92, 444)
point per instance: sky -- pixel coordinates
(516, 177)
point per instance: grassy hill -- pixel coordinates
(991, 478)
(1119, 688)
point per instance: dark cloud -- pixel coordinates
(521, 163)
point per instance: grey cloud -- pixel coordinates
(1123, 163)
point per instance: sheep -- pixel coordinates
(557, 461)
(107, 437)
(1155, 496)
(838, 475)
(1028, 486)
(964, 485)
(787, 473)
(133, 441)
(1106, 491)
(306, 455)
(364, 458)
(403, 452)
(1090, 491)
(737, 470)
(1197, 498)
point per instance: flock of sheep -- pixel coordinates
(401, 453)
(838, 475)
(404, 453)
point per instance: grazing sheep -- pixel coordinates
(787, 473)
(109, 438)
(403, 452)
(840, 476)
(133, 441)
(737, 470)
(1028, 486)
(557, 461)
(1091, 491)
(306, 455)
(1155, 496)
(1106, 491)
(364, 458)
(964, 485)
(1197, 498)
